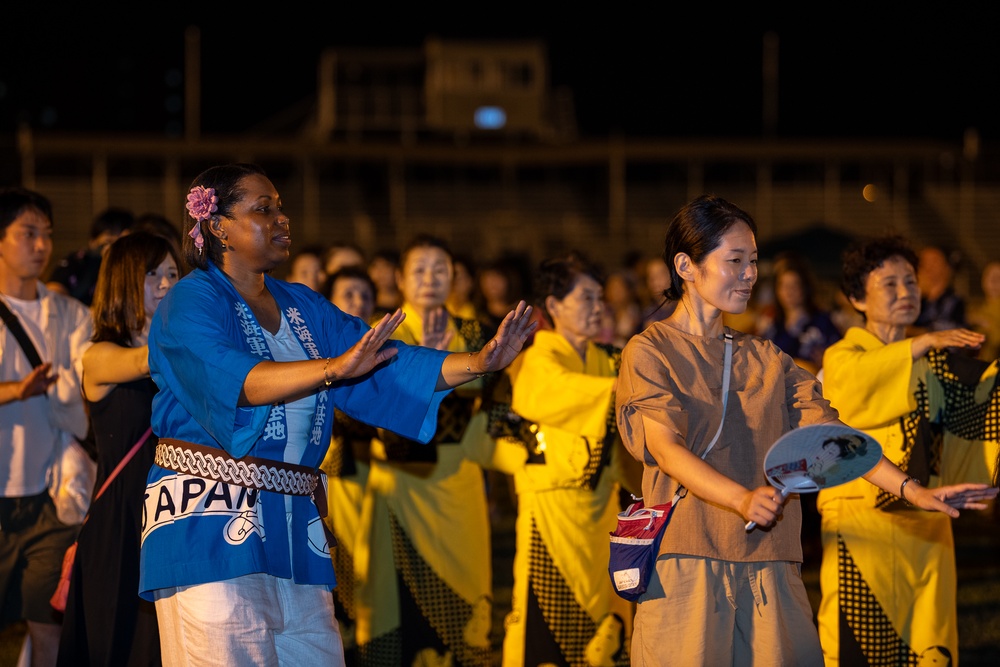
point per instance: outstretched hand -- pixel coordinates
(368, 352)
(515, 329)
(940, 340)
(950, 499)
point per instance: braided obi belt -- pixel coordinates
(249, 472)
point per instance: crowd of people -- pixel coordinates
(306, 467)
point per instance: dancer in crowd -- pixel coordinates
(249, 370)
(106, 623)
(382, 268)
(346, 465)
(423, 554)
(919, 401)
(307, 268)
(567, 485)
(743, 599)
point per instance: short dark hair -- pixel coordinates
(862, 257)
(557, 276)
(14, 201)
(225, 180)
(115, 220)
(424, 241)
(350, 271)
(696, 230)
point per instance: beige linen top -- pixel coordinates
(675, 378)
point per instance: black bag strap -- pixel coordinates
(14, 324)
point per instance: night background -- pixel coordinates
(845, 71)
(639, 71)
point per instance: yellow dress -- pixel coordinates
(567, 503)
(422, 553)
(888, 572)
(346, 466)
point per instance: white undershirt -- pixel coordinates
(298, 414)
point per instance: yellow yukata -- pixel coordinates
(423, 557)
(567, 504)
(888, 573)
(346, 466)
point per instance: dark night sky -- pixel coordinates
(919, 75)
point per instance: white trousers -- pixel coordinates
(257, 619)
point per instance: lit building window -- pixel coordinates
(490, 118)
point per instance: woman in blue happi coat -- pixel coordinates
(250, 369)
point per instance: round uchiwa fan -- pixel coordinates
(815, 457)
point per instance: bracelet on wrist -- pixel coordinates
(902, 488)
(468, 367)
(327, 381)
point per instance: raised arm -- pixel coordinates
(939, 340)
(946, 499)
(273, 381)
(462, 367)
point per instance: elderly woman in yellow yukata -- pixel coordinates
(568, 484)
(933, 408)
(422, 556)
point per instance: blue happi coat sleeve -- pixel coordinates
(199, 361)
(398, 395)
(200, 355)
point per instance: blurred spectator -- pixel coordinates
(352, 290)
(795, 322)
(461, 301)
(307, 268)
(382, 269)
(340, 255)
(984, 315)
(941, 307)
(499, 289)
(844, 315)
(76, 274)
(154, 223)
(657, 307)
(622, 299)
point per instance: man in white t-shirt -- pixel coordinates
(41, 411)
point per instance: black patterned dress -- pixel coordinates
(106, 623)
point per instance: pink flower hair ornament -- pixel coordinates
(202, 202)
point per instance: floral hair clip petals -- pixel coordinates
(202, 202)
(195, 233)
